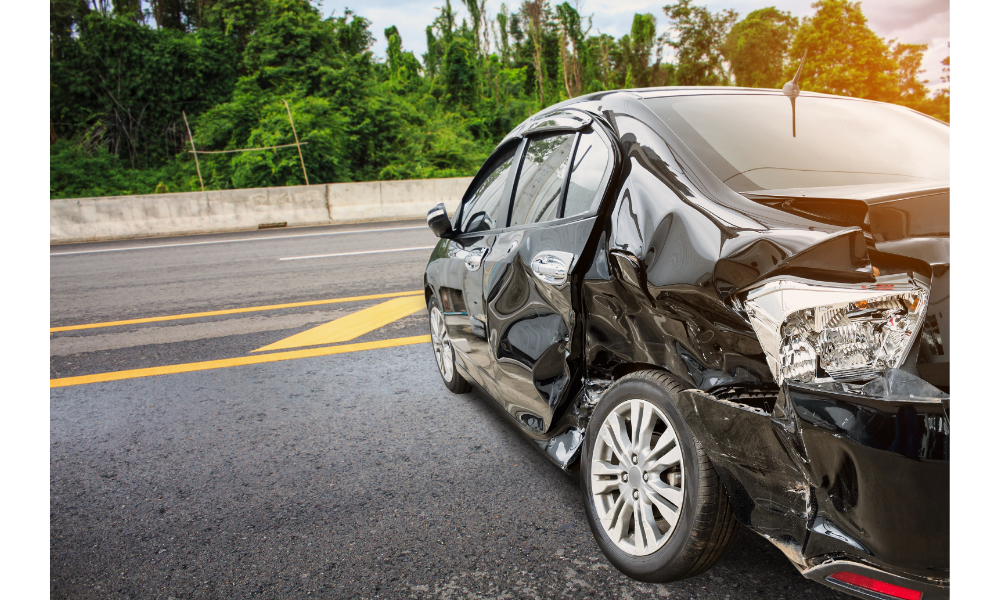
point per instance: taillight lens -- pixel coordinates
(815, 332)
(867, 583)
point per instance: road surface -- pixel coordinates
(252, 453)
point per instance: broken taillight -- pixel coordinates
(818, 332)
(874, 585)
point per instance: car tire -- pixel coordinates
(444, 352)
(703, 525)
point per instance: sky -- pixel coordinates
(908, 21)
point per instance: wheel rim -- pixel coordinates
(442, 345)
(637, 477)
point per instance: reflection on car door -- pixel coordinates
(530, 315)
(472, 329)
(483, 211)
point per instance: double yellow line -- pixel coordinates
(235, 362)
(232, 311)
(355, 328)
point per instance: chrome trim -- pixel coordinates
(561, 120)
(552, 266)
(474, 258)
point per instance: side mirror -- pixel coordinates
(437, 220)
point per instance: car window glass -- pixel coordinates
(590, 166)
(540, 183)
(481, 211)
(749, 143)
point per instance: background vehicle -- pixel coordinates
(717, 318)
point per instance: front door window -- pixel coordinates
(482, 210)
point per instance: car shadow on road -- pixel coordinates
(326, 477)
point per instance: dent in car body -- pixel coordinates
(823, 474)
(814, 488)
(530, 323)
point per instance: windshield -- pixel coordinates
(747, 142)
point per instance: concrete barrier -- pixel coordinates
(124, 217)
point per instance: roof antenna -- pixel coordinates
(791, 89)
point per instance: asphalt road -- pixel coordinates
(348, 475)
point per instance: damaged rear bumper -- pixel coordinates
(865, 581)
(836, 478)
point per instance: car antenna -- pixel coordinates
(791, 89)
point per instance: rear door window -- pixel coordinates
(591, 169)
(540, 184)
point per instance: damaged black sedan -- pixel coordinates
(719, 306)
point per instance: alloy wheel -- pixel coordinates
(637, 478)
(442, 345)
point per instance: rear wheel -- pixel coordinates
(653, 499)
(444, 353)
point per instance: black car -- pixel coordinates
(719, 306)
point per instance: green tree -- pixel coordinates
(534, 11)
(701, 35)
(573, 52)
(122, 86)
(128, 9)
(323, 131)
(460, 76)
(433, 55)
(64, 17)
(293, 49)
(120, 79)
(171, 14)
(476, 16)
(637, 51)
(324, 69)
(235, 18)
(845, 56)
(503, 17)
(402, 65)
(757, 47)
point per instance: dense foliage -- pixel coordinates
(123, 80)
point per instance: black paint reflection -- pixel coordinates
(661, 272)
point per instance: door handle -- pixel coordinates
(552, 266)
(474, 259)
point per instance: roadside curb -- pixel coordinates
(129, 217)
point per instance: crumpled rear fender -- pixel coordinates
(826, 474)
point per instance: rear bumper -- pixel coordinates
(837, 478)
(878, 472)
(827, 574)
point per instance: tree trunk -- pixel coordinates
(534, 10)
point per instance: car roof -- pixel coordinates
(580, 102)
(583, 103)
(706, 90)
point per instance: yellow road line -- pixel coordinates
(233, 311)
(235, 362)
(353, 325)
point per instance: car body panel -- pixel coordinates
(469, 333)
(825, 475)
(531, 322)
